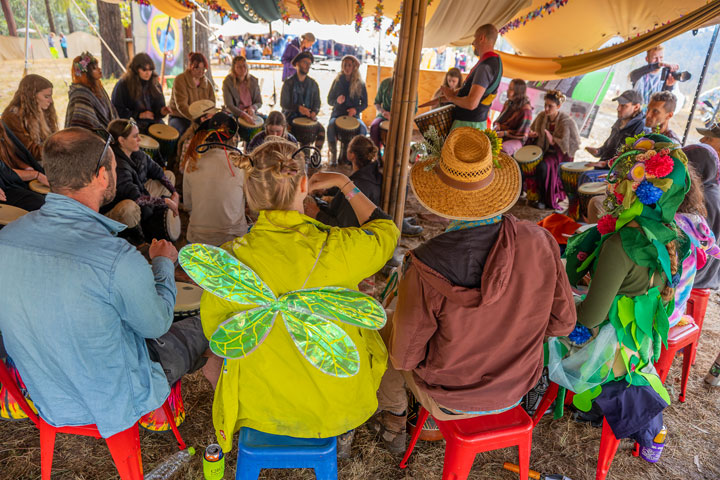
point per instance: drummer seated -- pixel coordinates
(241, 92)
(466, 337)
(347, 96)
(630, 122)
(383, 102)
(15, 191)
(142, 186)
(300, 97)
(274, 125)
(200, 111)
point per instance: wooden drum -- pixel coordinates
(528, 157)
(167, 138)
(247, 130)
(187, 301)
(440, 118)
(305, 130)
(150, 146)
(384, 129)
(346, 128)
(38, 187)
(586, 191)
(162, 224)
(8, 213)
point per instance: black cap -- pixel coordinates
(629, 96)
(301, 55)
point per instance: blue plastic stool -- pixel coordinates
(258, 450)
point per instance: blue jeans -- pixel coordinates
(331, 136)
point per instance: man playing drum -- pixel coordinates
(300, 97)
(473, 99)
(86, 346)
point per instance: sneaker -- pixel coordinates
(344, 444)
(531, 400)
(391, 429)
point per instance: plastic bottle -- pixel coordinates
(171, 465)
(652, 454)
(713, 376)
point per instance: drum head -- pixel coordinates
(593, 188)
(385, 125)
(38, 187)
(575, 167)
(163, 132)
(304, 122)
(446, 110)
(188, 297)
(149, 143)
(172, 225)
(528, 153)
(8, 213)
(346, 122)
(256, 123)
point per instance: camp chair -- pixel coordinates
(124, 446)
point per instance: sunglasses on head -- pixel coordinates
(131, 123)
(110, 139)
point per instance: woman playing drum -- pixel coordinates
(348, 96)
(513, 124)
(142, 186)
(453, 79)
(556, 133)
(274, 125)
(241, 91)
(190, 86)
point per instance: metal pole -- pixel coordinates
(592, 105)
(700, 82)
(164, 51)
(193, 31)
(27, 37)
(378, 57)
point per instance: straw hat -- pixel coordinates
(463, 184)
(200, 108)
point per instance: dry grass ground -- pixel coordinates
(559, 446)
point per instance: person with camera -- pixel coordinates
(657, 75)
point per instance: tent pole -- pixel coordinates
(27, 37)
(592, 105)
(193, 31)
(164, 49)
(700, 82)
(377, 57)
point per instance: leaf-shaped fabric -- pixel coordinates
(223, 275)
(339, 304)
(239, 335)
(325, 345)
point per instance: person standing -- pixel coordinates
(292, 49)
(648, 79)
(63, 45)
(474, 98)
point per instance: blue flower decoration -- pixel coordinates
(580, 335)
(648, 193)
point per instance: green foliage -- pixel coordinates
(59, 8)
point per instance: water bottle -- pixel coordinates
(652, 454)
(171, 465)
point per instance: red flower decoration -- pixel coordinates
(606, 224)
(619, 197)
(582, 256)
(659, 165)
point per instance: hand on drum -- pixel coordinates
(304, 110)
(341, 100)
(172, 206)
(352, 112)
(2, 195)
(532, 134)
(43, 179)
(325, 180)
(163, 248)
(165, 111)
(147, 114)
(592, 150)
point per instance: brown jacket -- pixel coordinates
(567, 138)
(480, 349)
(185, 92)
(12, 119)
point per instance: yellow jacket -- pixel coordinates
(275, 389)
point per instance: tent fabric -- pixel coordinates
(556, 68)
(585, 25)
(342, 12)
(172, 8)
(452, 22)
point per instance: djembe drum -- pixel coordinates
(162, 224)
(570, 173)
(347, 128)
(248, 129)
(528, 158)
(187, 301)
(8, 213)
(440, 118)
(167, 138)
(150, 146)
(586, 191)
(38, 187)
(305, 130)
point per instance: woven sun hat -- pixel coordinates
(463, 183)
(200, 108)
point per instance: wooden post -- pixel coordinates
(405, 86)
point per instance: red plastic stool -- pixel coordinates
(124, 446)
(467, 437)
(608, 446)
(697, 304)
(680, 337)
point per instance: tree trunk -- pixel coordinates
(12, 27)
(71, 25)
(51, 20)
(113, 33)
(202, 45)
(187, 39)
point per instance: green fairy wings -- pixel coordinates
(309, 313)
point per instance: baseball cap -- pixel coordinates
(629, 96)
(713, 131)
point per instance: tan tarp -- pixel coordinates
(554, 68)
(13, 48)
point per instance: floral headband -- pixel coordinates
(558, 95)
(82, 66)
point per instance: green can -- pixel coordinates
(213, 462)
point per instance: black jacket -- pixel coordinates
(618, 135)
(128, 107)
(339, 213)
(132, 173)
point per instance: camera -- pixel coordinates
(678, 76)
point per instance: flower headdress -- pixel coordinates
(82, 66)
(433, 142)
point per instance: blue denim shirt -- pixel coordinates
(77, 305)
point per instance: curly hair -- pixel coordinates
(555, 96)
(131, 77)
(83, 75)
(40, 124)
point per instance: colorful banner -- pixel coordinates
(155, 33)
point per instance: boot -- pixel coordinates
(391, 428)
(332, 148)
(410, 230)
